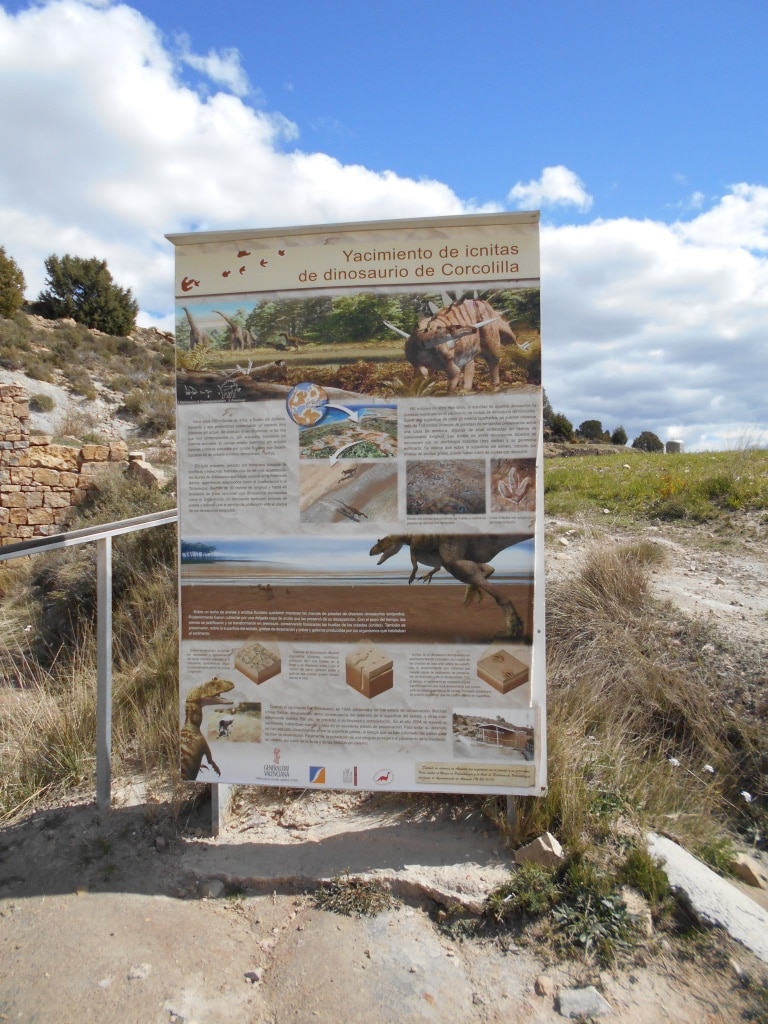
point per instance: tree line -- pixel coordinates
(355, 318)
(558, 427)
(82, 289)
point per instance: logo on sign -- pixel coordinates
(383, 777)
(317, 775)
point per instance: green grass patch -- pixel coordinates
(633, 485)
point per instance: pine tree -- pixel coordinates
(83, 289)
(12, 286)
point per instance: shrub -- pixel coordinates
(80, 382)
(160, 417)
(37, 370)
(41, 403)
(12, 285)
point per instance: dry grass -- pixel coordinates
(48, 657)
(637, 711)
(637, 714)
(47, 728)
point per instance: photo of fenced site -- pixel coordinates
(490, 737)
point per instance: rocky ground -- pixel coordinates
(139, 914)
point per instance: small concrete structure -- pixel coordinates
(674, 447)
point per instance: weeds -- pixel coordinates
(530, 892)
(353, 897)
(598, 925)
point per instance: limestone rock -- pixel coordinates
(544, 986)
(638, 910)
(545, 850)
(146, 473)
(750, 871)
(582, 1003)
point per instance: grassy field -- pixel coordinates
(632, 485)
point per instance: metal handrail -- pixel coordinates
(87, 534)
(102, 536)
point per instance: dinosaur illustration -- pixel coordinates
(466, 558)
(291, 341)
(197, 336)
(240, 337)
(194, 746)
(350, 511)
(451, 338)
(426, 555)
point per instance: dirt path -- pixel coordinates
(126, 916)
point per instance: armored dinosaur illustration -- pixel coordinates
(194, 746)
(451, 338)
(466, 558)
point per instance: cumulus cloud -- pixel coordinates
(646, 324)
(661, 327)
(108, 149)
(222, 68)
(557, 186)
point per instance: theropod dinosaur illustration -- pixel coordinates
(240, 337)
(194, 746)
(197, 335)
(451, 338)
(466, 558)
(291, 340)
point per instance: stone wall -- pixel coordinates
(42, 482)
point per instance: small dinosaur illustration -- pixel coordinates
(350, 511)
(291, 340)
(466, 558)
(193, 744)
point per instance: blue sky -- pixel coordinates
(638, 130)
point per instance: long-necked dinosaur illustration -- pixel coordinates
(194, 746)
(197, 335)
(466, 558)
(240, 337)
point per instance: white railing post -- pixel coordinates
(104, 672)
(102, 537)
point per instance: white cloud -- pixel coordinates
(108, 150)
(223, 68)
(557, 186)
(646, 324)
(617, 292)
